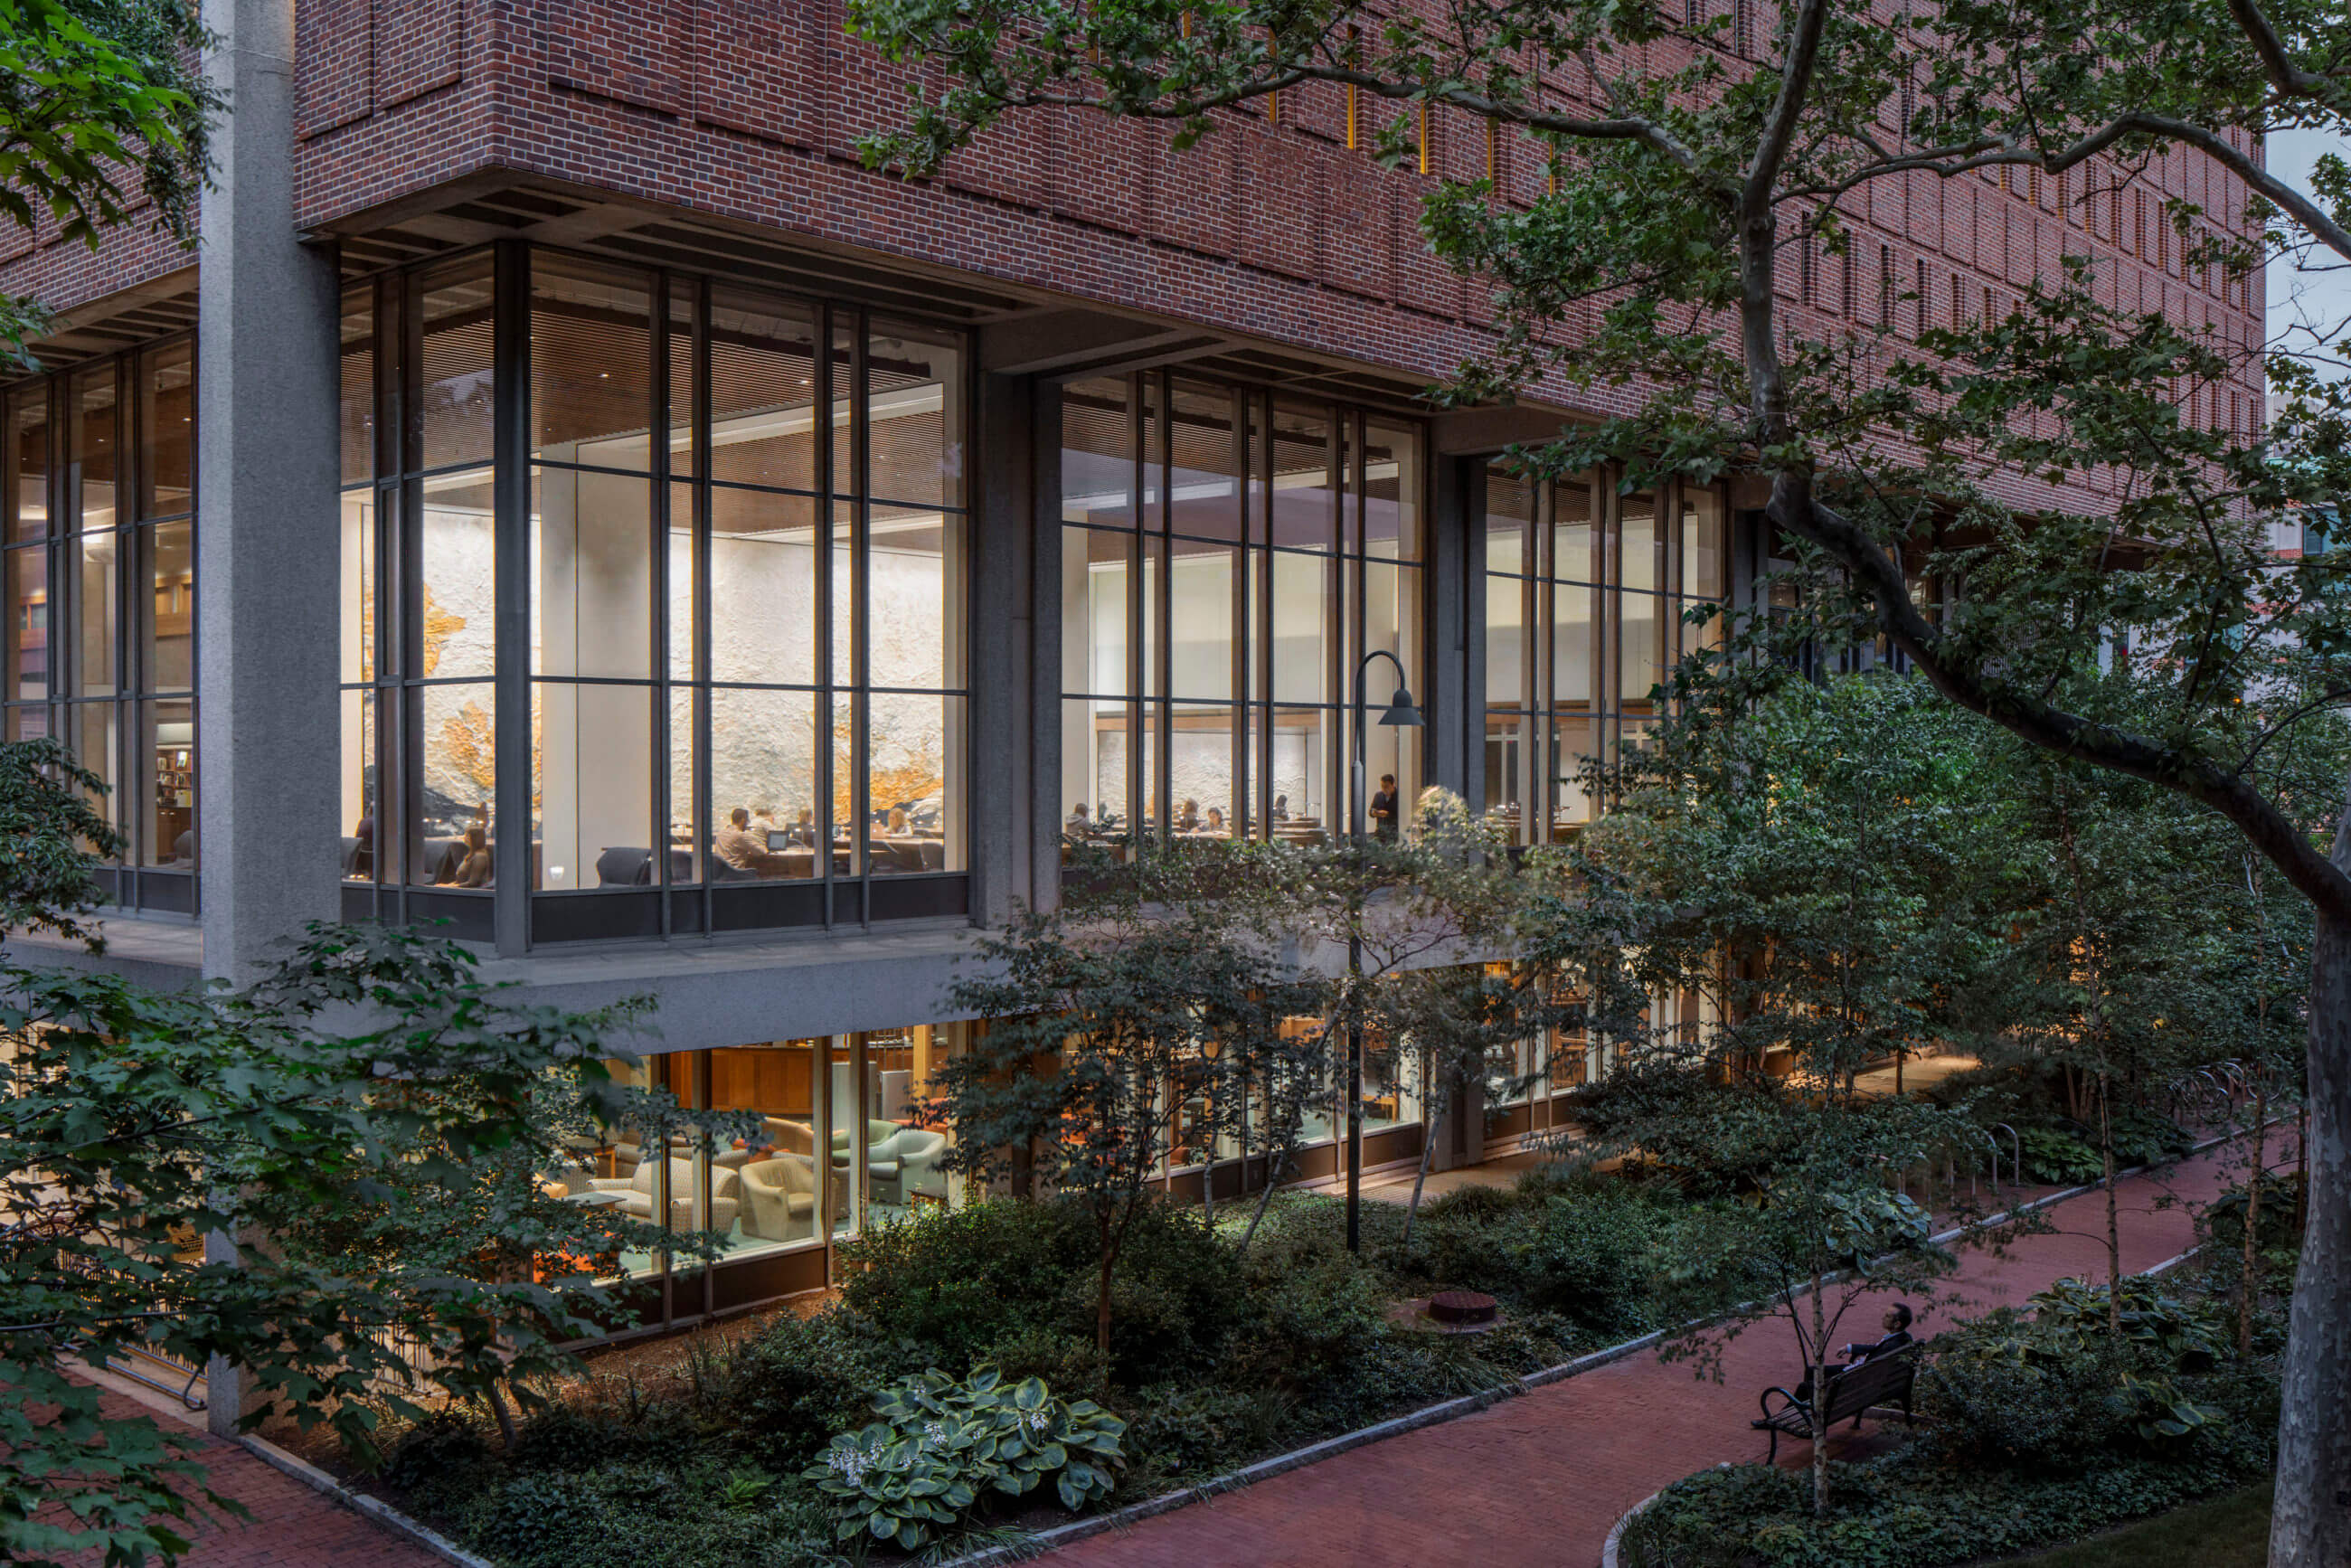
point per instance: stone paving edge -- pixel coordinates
(381, 1512)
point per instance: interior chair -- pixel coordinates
(724, 1187)
(792, 1137)
(779, 1198)
(624, 868)
(919, 1152)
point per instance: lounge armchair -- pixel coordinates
(779, 1198)
(639, 1188)
(918, 1151)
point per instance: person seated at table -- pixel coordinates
(763, 820)
(1079, 818)
(897, 828)
(1281, 808)
(474, 869)
(1187, 815)
(804, 830)
(744, 850)
(1216, 824)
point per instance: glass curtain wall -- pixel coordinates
(1585, 592)
(1228, 557)
(98, 565)
(837, 1146)
(741, 558)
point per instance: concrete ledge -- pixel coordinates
(383, 1513)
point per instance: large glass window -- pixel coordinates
(837, 1146)
(746, 651)
(1586, 590)
(97, 569)
(1228, 557)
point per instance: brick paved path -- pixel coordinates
(292, 1526)
(1540, 1480)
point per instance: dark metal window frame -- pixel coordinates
(134, 884)
(1547, 742)
(1149, 696)
(666, 908)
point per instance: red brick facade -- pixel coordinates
(1272, 228)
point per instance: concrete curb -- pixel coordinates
(1609, 1547)
(383, 1513)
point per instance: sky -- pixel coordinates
(2308, 296)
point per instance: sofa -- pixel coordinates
(725, 1185)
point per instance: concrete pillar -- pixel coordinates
(1046, 800)
(1003, 594)
(266, 560)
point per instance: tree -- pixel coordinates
(371, 1124)
(103, 107)
(1147, 1002)
(1692, 166)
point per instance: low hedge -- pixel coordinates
(1907, 1509)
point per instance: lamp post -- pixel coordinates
(1401, 714)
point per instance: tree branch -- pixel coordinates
(2268, 829)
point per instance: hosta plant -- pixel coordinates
(941, 1443)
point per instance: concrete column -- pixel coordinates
(1045, 801)
(1003, 594)
(266, 560)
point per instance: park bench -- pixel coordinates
(1865, 1386)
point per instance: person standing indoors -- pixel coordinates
(1384, 808)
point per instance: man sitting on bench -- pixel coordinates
(1848, 1395)
(1897, 1323)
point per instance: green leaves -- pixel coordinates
(922, 1465)
(376, 1115)
(102, 106)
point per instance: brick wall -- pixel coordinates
(1271, 226)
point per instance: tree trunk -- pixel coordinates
(1430, 1114)
(2249, 1283)
(1276, 1156)
(2311, 1522)
(2114, 1226)
(1820, 1401)
(1107, 1238)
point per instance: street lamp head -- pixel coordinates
(1401, 711)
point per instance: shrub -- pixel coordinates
(1905, 1511)
(2059, 1159)
(2144, 1137)
(1989, 1403)
(1583, 1254)
(630, 1515)
(941, 1444)
(958, 1281)
(802, 1381)
(1193, 1432)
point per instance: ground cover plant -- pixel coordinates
(788, 1445)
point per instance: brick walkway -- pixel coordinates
(1540, 1480)
(292, 1526)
